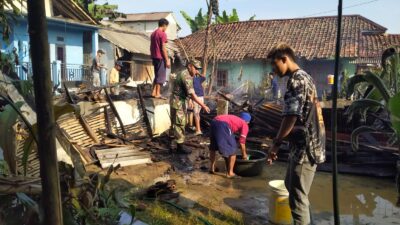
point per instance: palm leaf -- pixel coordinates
(59, 110)
(234, 17)
(372, 79)
(356, 133)
(394, 109)
(362, 106)
(27, 201)
(353, 81)
(394, 71)
(8, 118)
(189, 21)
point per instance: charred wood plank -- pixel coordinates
(144, 111)
(114, 109)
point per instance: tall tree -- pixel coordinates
(51, 195)
(199, 22)
(100, 12)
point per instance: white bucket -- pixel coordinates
(279, 209)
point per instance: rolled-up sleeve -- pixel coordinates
(243, 133)
(294, 98)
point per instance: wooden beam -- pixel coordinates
(114, 109)
(81, 119)
(144, 111)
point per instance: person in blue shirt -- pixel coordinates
(274, 86)
(198, 80)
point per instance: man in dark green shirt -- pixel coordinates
(182, 90)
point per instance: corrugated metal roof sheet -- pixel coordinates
(132, 42)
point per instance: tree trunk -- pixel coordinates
(39, 47)
(212, 75)
(206, 40)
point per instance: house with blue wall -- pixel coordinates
(240, 48)
(72, 36)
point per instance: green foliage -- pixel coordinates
(344, 83)
(361, 106)
(382, 93)
(24, 87)
(225, 18)
(8, 11)
(199, 22)
(59, 110)
(17, 209)
(356, 133)
(4, 171)
(8, 118)
(394, 108)
(372, 79)
(95, 202)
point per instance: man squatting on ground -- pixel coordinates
(298, 103)
(159, 55)
(96, 67)
(222, 139)
(182, 89)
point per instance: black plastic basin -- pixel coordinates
(252, 167)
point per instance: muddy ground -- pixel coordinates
(363, 200)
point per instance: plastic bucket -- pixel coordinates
(330, 79)
(252, 167)
(279, 209)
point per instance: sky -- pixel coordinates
(383, 12)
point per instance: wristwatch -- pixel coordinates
(276, 142)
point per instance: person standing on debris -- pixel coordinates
(306, 136)
(159, 55)
(114, 77)
(222, 139)
(182, 89)
(96, 68)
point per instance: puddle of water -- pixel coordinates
(363, 200)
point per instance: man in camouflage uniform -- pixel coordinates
(182, 89)
(307, 150)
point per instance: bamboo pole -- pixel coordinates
(334, 118)
(39, 46)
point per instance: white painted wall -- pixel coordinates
(172, 31)
(149, 26)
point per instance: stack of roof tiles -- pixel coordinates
(311, 38)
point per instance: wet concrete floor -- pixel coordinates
(363, 200)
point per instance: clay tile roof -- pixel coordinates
(313, 37)
(152, 16)
(373, 45)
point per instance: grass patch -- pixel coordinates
(158, 213)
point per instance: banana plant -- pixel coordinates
(394, 108)
(30, 142)
(381, 94)
(8, 118)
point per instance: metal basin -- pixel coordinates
(253, 166)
